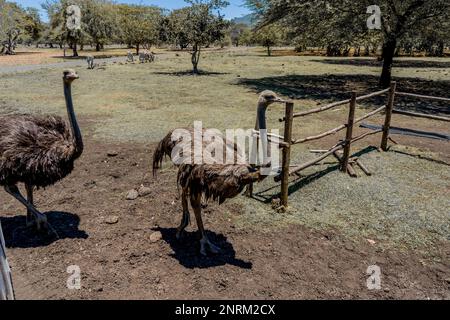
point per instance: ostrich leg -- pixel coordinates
(185, 220)
(41, 219)
(204, 241)
(30, 218)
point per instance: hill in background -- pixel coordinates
(247, 19)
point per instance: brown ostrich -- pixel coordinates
(38, 151)
(202, 182)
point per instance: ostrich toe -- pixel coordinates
(40, 223)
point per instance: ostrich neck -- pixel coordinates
(262, 127)
(76, 133)
(261, 116)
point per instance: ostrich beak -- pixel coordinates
(278, 99)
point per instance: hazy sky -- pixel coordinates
(235, 9)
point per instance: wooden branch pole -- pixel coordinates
(421, 96)
(350, 170)
(348, 136)
(363, 167)
(387, 120)
(337, 147)
(6, 287)
(337, 129)
(421, 115)
(289, 116)
(337, 104)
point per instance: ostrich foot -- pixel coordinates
(205, 244)
(40, 223)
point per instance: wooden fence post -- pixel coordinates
(289, 117)
(387, 120)
(6, 287)
(349, 135)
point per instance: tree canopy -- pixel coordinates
(341, 24)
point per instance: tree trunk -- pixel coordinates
(195, 58)
(97, 47)
(74, 49)
(137, 48)
(269, 52)
(388, 59)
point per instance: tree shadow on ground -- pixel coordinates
(332, 88)
(190, 73)
(187, 250)
(17, 235)
(418, 64)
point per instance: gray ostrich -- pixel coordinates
(213, 181)
(38, 151)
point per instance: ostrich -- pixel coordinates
(38, 151)
(213, 181)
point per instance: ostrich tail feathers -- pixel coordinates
(164, 148)
(158, 156)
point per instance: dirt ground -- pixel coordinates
(336, 227)
(119, 261)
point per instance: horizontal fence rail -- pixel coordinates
(421, 115)
(337, 129)
(338, 147)
(346, 163)
(421, 96)
(336, 104)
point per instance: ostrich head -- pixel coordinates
(70, 75)
(268, 97)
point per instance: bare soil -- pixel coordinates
(119, 261)
(335, 228)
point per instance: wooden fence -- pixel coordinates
(6, 288)
(345, 145)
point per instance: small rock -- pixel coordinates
(144, 191)
(447, 280)
(112, 154)
(132, 195)
(155, 236)
(112, 220)
(371, 241)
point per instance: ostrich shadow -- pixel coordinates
(17, 235)
(187, 250)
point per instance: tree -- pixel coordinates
(176, 31)
(202, 27)
(99, 19)
(11, 26)
(268, 37)
(139, 25)
(236, 32)
(343, 22)
(33, 25)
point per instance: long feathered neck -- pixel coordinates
(262, 127)
(76, 133)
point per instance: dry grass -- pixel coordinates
(404, 204)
